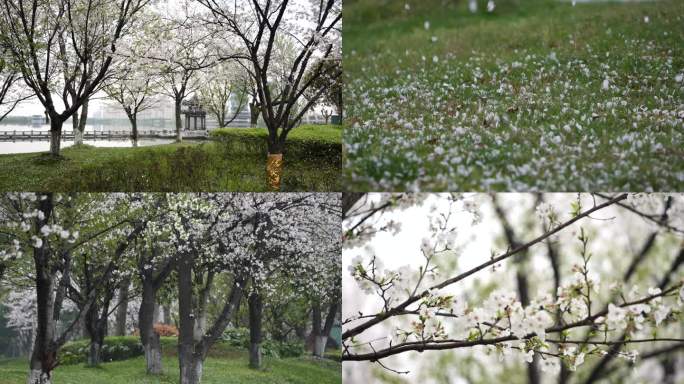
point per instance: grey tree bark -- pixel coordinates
(193, 347)
(133, 119)
(167, 314)
(179, 123)
(43, 356)
(190, 370)
(321, 335)
(253, 114)
(148, 337)
(79, 123)
(255, 315)
(55, 136)
(97, 329)
(122, 309)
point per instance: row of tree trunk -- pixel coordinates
(79, 122)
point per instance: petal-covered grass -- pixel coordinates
(209, 166)
(538, 95)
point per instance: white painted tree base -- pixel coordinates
(36, 376)
(153, 359)
(319, 345)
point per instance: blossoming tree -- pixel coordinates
(225, 92)
(432, 305)
(313, 28)
(134, 82)
(71, 259)
(64, 49)
(11, 94)
(247, 238)
(47, 231)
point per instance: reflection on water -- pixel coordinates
(89, 127)
(44, 146)
(21, 146)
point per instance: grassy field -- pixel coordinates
(225, 364)
(231, 369)
(537, 95)
(211, 166)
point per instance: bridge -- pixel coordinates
(37, 135)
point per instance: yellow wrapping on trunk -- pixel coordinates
(274, 170)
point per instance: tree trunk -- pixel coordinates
(80, 124)
(122, 309)
(220, 119)
(319, 345)
(74, 129)
(83, 330)
(95, 355)
(38, 376)
(44, 355)
(91, 327)
(339, 110)
(84, 116)
(153, 356)
(320, 335)
(253, 115)
(55, 136)
(179, 123)
(274, 160)
(255, 312)
(190, 362)
(148, 337)
(316, 331)
(78, 137)
(97, 329)
(134, 128)
(167, 314)
(191, 370)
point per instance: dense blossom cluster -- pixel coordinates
(294, 235)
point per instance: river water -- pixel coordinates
(42, 145)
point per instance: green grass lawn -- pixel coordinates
(235, 165)
(225, 364)
(218, 370)
(537, 95)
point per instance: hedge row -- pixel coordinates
(114, 348)
(117, 348)
(239, 337)
(307, 141)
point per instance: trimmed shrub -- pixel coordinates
(307, 141)
(236, 337)
(239, 337)
(291, 349)
(115, 348)
(165, 330)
